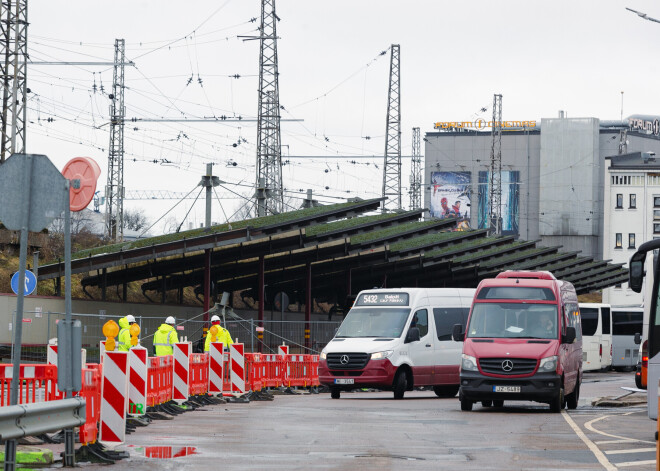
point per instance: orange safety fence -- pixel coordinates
(92, 376)
(37, 383)
(199, 373)
(253, 371)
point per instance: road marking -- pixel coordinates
(632, 450)
(602, 459)
(625, 440)
(620, 439)
(636, 463)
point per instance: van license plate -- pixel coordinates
(506, 389)
(345, 381)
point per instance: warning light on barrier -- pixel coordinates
(134, 331)
(110, 330)
(214, 333)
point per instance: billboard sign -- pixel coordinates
(509, 204)
(450, 194)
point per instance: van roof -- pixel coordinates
(528, 274)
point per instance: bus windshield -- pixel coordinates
(513, 320)
(380, 322)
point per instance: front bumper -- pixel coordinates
(541, 387)
(376, 374)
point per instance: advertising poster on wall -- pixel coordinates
(509, 204)
(450, 194)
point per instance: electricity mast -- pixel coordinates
(392, 167)
(114, 190)
(495, 177)
(416, 172)
(13, 67)
(269, 194)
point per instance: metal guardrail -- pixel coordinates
(40, 417)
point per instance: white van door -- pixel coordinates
(447, 351)
(421, 352)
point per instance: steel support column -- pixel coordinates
(308, 305)
(207, 283)
(262, 303)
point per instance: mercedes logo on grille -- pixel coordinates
(507, 365)
(344, 359)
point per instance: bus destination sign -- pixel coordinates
(382, 299)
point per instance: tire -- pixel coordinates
(557, 402)
(335, 393)
(466, 405)
(400, 385)
(486, 403)
(638, 381)
(498, 403)
(445, 391)
(573, 398)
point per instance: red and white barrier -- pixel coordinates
(216, 363)
(137, 381)
(283, 350)
(237, 361)
(114, 398)
(102, 349)
(180, 382)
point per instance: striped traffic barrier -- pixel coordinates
(216, 364)
(237, 361)
(181, 378)
(114, 398)
(283, 350)
(137, 381)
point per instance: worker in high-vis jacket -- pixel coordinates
(223, 335)
(124, 337)
(165, 338)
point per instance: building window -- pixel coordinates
(631, 241)
(656, 201)
(619, 240)
(619, 201)
(633, 201)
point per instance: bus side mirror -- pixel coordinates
(569, 336)
(636, 272)
(457, 333)
(638, 338)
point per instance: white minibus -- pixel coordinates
(596, 336)
(396, 339)
(626, 322)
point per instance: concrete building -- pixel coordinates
(631, 214)
(553, 175)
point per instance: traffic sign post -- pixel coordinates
(34, 193)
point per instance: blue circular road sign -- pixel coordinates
(30, 282)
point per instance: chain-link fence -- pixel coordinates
(291, 333)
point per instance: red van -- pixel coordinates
(523, 342)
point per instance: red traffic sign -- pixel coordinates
(87, 171)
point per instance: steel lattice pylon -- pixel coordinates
(13, 65)
(495, 177)
(269, 194)
(392, 167)
(114, 190)
(416, 172)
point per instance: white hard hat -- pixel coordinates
(130, 318)
(170, 320)
(215, 319)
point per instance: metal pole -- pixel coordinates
(207, 253)
(10, 446)
(69, 451)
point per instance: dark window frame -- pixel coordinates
(618, 240)
(619, 201)
(631, 240)
(632, 201)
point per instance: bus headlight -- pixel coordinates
(469, 363)
(548, 363)
(381, 355)
(323, 355)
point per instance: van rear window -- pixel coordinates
(516, 292)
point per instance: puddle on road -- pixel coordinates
(164, 452)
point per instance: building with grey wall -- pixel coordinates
(552, 175)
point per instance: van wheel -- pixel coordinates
(557, 403)
(335, 393)
(400, 385)
(445, 391)
(638, 381)
(573, 398)
(466, 405)
(498, 403)
(487, 403)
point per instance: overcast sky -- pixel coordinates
(542, 56)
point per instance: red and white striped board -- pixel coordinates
(216, 364)
(181, 379)
(114, 398)
(51, 355)
(137, 381)
(102, 349)
(237, 362)
(283, 350)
